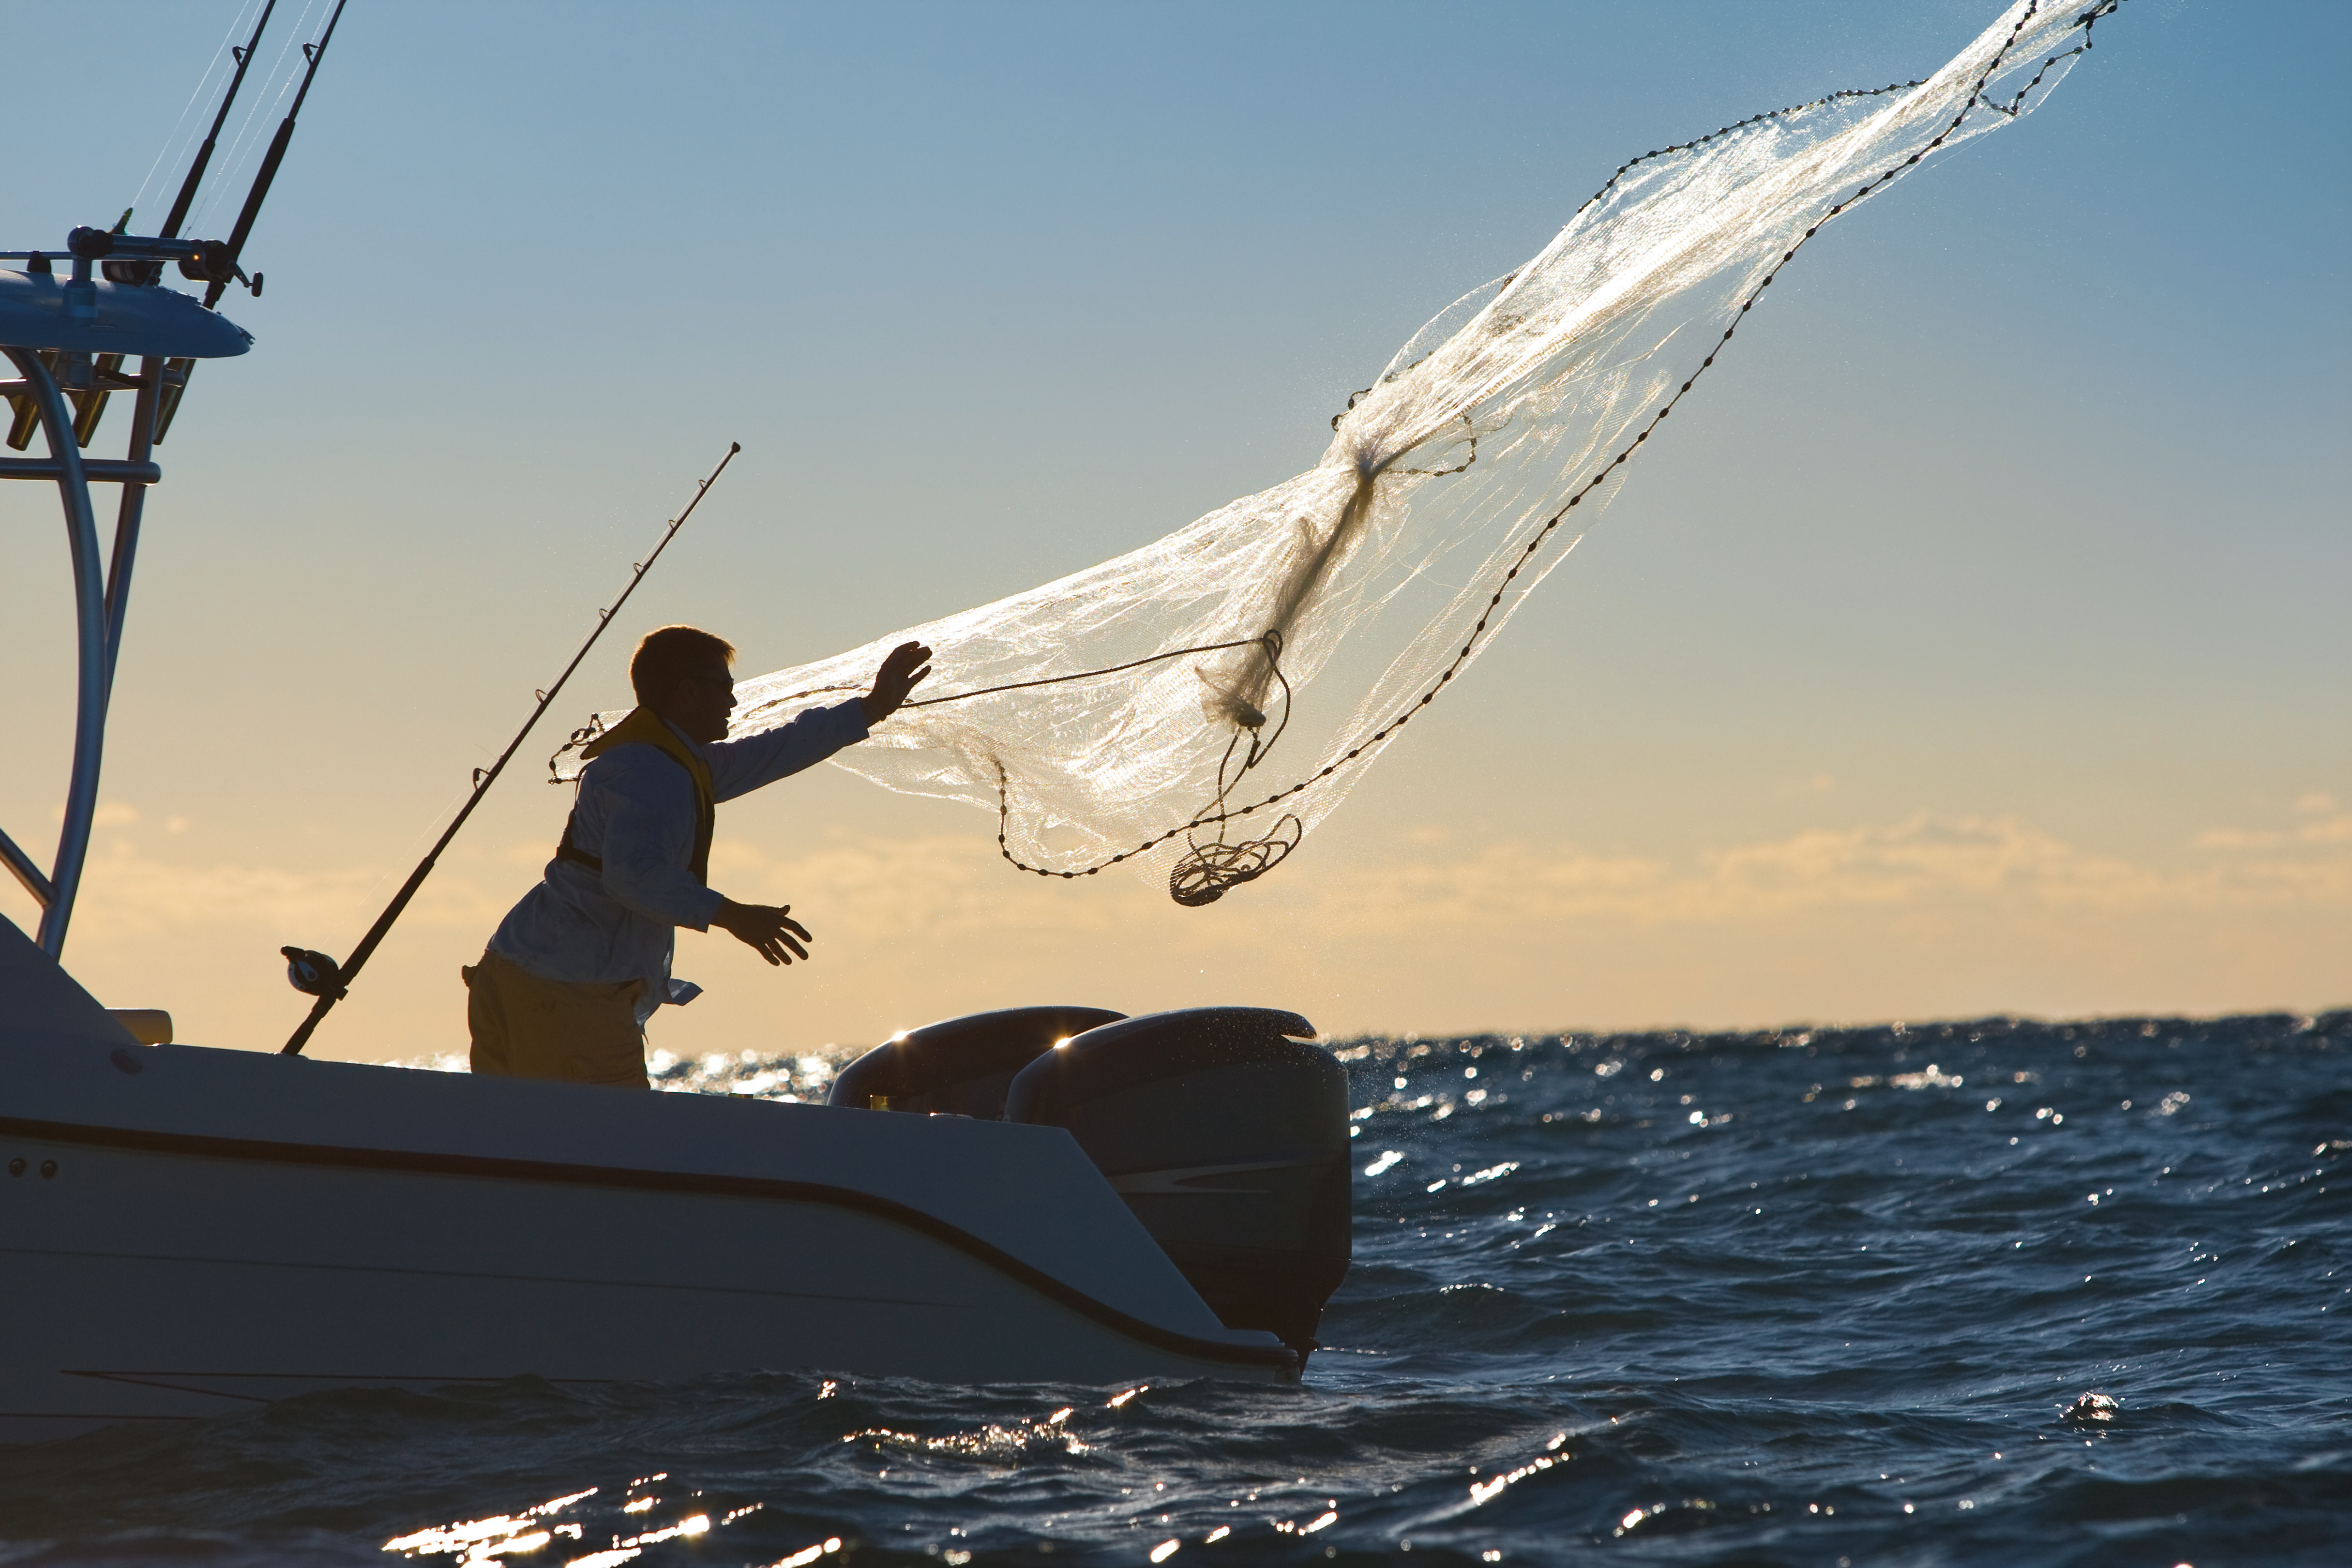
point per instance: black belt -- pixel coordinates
(567, 850)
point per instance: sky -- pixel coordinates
(1974, 645)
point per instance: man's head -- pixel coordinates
(681, 672)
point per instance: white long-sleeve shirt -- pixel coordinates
(635, 810)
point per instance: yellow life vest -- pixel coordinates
(644, 726)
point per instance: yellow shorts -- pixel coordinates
(524, 1027)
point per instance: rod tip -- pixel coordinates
(733, 447)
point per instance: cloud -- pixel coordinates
(2236, 838)
(953, 889)
(128, 895)
(2328, 829)
(947, 884)
(1818, 783)
(1924, 860)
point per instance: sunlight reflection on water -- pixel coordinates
(749, 1075)
(537, 1527)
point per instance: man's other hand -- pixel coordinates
(770, 929)
(908, 663)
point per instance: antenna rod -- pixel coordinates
(335, 983)
(171, 229)
(269, 170)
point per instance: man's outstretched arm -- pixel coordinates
(809, 737)
(769, 929)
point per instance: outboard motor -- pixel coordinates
(959, 1066)
(1228, 1139)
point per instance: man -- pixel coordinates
(573, 972)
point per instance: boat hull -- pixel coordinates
(185, 1231)
(177, 1278)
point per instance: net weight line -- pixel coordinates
(1204, 872)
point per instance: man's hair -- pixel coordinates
(668, 656)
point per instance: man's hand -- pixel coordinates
(897, 677)
(770, 929)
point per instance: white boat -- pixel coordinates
(186, 1231)
(1045, 1194)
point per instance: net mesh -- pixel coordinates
(1195, 706)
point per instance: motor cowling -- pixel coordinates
(1228, 1137)
(959, 1066)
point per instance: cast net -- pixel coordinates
(1195, 706)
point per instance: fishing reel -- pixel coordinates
(138, 259)
(313, 974)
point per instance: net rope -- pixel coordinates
(1113, 717)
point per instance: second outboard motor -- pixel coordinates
(1229, 1140)
(959, 1066)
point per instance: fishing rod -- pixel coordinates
(244, 57)
(219, 264)
(89, 405)
(315, 974)
(314, 53)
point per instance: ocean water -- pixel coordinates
(1988, 1292)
